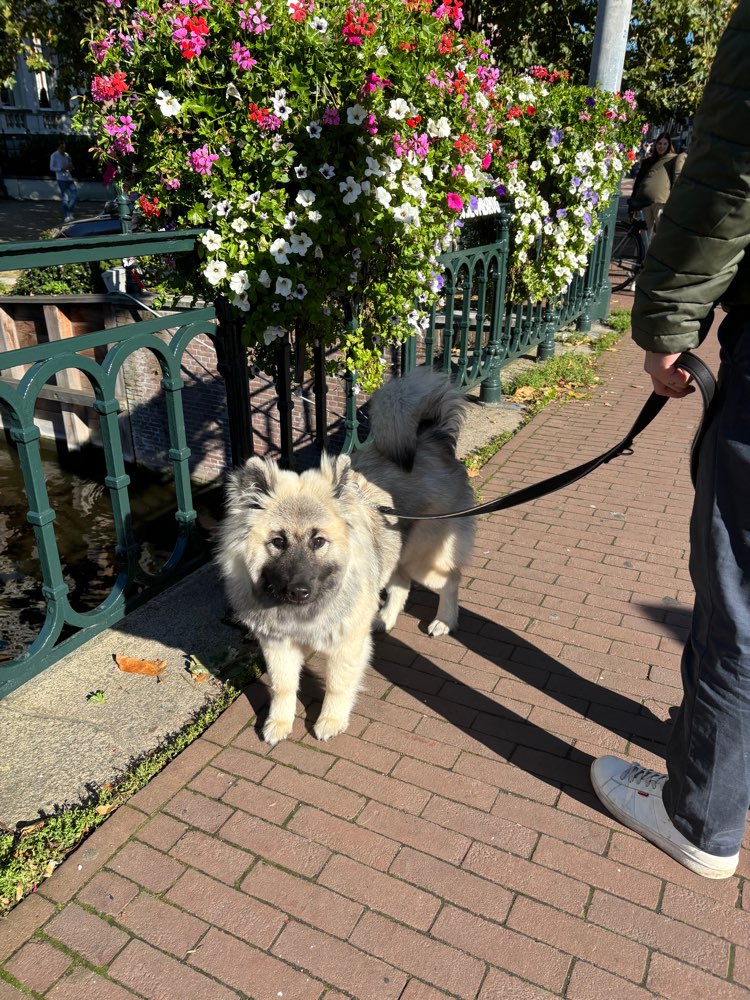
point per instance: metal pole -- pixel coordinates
(610, 44)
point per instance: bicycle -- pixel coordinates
(628, 251)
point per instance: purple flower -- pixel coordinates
(500, 190)
(576, 182)
(473, 202)
(587, 218)
(561, 213)
(555, 137)
(590, 102)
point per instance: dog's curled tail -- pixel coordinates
(410, 410)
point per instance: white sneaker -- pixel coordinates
(633, 794)
(69, 218)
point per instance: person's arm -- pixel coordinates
(704, 232)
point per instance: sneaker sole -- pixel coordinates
(673, 850)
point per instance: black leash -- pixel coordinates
(699, 373)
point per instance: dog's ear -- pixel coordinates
(337, 469)
(254, 480)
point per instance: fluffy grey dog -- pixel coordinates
(305, 558)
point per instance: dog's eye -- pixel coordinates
(319, 541)
(278, 542)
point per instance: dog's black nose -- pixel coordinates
(298, 593)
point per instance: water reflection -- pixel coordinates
(84, 527)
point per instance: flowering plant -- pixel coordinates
(329, 147)
(559, 157)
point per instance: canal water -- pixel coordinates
(84, 527)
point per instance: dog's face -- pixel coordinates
(291, 533)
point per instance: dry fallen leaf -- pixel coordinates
(132, 665)
(51, 865)
(105, 810)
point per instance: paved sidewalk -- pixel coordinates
(449, 844)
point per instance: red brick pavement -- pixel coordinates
(449, 844)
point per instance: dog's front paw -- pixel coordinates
(277, 729)
(436, 628)
(328, 726)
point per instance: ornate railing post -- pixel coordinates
(320, 393)
(232, 365)
(492, 389)
(285, 401)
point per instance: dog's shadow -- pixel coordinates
(420, 677)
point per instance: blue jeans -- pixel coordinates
(69, 195)
(707, 794)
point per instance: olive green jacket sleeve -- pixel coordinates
(700, 254)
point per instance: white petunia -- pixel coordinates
(280, 108)
(406, 213)
(398, 109)
(392, 163)
(373, 168)
(427, 171)
(318, 253)
(352, 188)
(241, 301)
(439, 129)
(383, 197)
(300, 243)
(273, 333)
(305, 198)
(215, 272)
(168, 105)
(290, 220)
(536, 165)
(284, 287)
(211, 240)
(412, 186)
(239, 282)
(356, 114)
(319, 24)
(222, 208)
(232, 91)
(239, 225)
(264, 278)
(314, 216)
(300, 291)
(327, 171)
(381, 52)
(300, 172)
(314, 130)
(279, 250)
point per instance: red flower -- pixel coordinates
(446, 42)
(630, 155)
(530, 109)
(464, 144)
(514, 111)
(413, 122)
(359, 27)
(149, 208)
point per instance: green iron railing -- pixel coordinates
(64, 628)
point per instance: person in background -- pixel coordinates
(655, 178)
(61, 165)
(700, 256)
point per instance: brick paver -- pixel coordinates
(449, 844)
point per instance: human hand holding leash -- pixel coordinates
(667, 378)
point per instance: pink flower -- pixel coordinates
(455, 201)
(201, 160)
(331, 117)
(487, 161)
(253, 19)
(241, 55)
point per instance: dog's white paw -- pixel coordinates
(378, 625)
(436, 628)
(328, 726)
(276, 730)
